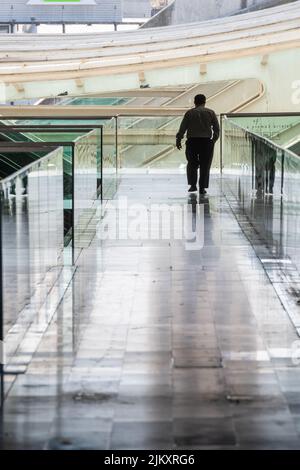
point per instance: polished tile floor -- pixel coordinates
(158, 347)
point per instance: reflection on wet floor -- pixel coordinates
(158, 347)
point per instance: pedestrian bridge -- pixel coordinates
(134, 339)
(134, 315)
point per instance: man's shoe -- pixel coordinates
(202, 191)
(193, 189)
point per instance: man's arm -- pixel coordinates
(216, 127)
(182, 130)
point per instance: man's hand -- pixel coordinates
(178, 144)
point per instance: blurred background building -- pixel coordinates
(28, 15)
(158, 5)
(34, 12)
(177, 11)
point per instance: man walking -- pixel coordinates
(203, 130)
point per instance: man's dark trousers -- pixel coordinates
(199, 153)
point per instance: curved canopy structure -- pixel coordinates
(260, 45)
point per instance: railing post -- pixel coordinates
(282, 170)
(73, 205)
(117, 143)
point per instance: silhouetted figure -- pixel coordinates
(265, 166)
(203, 130)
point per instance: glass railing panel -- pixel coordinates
(290, 220)
(261, 179)
(14, 162)
(283, 129)
(32, 243)
(110, 159)
(87, 170)
(237, 159)
(251, 163)
(64, 134)
(147, 143)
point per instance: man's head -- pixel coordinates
(200, 100)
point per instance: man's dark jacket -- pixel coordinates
(199, 122)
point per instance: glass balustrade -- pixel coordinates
(87, 172)
(32, 241)
(149, 143)
(44, 130)
(110, 159)
(261, 179)
(59, 174)
(283, 129)
(260, 176)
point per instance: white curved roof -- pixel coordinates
(262, 45)
(262, 31)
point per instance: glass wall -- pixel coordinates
(283, 129)
(261, 181)
(63, 126)
(87, 167)
(110, 159)
(260, 163)
(32, 242)
(34, 202)
(149, 143)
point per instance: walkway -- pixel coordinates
(156, 347)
